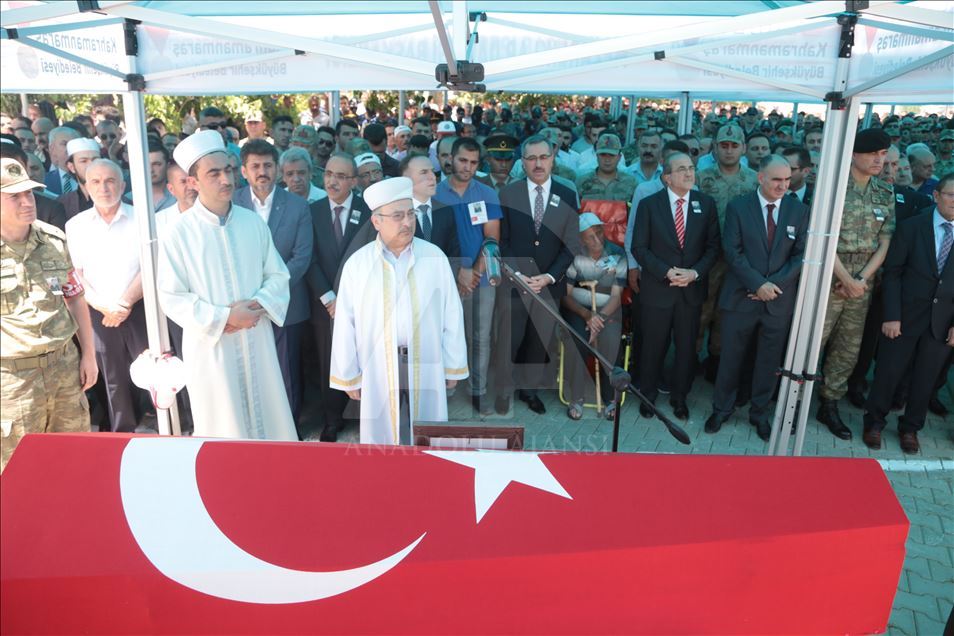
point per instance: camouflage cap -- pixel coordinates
(947, 135)
(608, 145)
(14, 178)
(730, 132)
(893, 129)
(254, 115)
(304, 135)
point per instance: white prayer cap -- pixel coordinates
(366, 157)
(388, 191)
(196, 146)
(402, 129)
(74, 146)
(447, 127)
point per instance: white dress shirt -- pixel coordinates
(800, 193)
(263, 208)
(673, 197)
(532, 189)
(938, 222)
(106, 253)
(417, 211)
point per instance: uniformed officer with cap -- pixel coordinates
(945, 153)
(607, 182)
(42, 376)
(867, 224)
(501, 155)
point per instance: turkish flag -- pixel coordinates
(120, 534)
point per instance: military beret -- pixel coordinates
(871, 140)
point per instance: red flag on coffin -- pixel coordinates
(123, 534)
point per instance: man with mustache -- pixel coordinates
(222, 280)
(289, 222)
(398, 341)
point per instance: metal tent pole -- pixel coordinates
(24, 105)
(631, 120)
(685, 113)
(804, 349)
(402, 106)
(157, 329)
(869, 111)
(335, 110)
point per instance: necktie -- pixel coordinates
(680, 221)
(68, 183)
(770, 223)
(336, 225)
(425, 222)
(946, 241)
(538, 209)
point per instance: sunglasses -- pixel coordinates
(214, 126)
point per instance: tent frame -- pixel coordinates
(799, 372)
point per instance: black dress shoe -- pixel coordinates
(502, 405)
(937, 407)
(645, 410)
(829, 416)
(714, 423)
(329, 433)
(679, 410)
(762, 428)
(535, 404)
(909, 443)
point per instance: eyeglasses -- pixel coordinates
(399, 217)
(684, 170)
(340, 176)
(534, 158)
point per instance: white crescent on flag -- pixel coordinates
(173, 528)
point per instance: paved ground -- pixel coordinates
(924, 483)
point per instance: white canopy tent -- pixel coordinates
(840, 53)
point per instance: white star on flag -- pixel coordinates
(495, 470)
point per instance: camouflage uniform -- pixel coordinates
(943, 167)
(723, 188)
(39, 365)
(318, 176)
(867, 219)
(621, 188)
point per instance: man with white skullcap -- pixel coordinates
(222, 280)
(398, 339)
(80, 153)
(369, 170)
(401, 136)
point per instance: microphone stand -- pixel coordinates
(618, 377)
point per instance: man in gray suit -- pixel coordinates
(764, 245)
(289, 220)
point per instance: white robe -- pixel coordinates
(234, 380)
(364, 346)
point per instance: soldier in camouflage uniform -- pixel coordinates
(607, 183)
(723, 182)
(867, 224)
(42, 377)
(945, 154)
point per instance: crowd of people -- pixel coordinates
(687, 243)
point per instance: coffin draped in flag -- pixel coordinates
(121, 534)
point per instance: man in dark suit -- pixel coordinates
(58, 180)
(918, 317)
(764, 246)
(539, 238)
(336, 221)
(800, 161)
(377, 136)
(676, 240)
(289, 221)
(435, 221)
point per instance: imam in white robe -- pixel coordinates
(364, 354)
(206, 263)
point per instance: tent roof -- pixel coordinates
(781, 50)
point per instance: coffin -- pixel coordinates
(122, 534)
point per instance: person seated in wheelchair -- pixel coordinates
(595, 283)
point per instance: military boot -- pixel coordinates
(829, 416)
